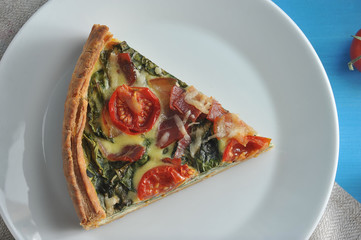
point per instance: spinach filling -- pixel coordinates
(208, 155)
(111, 178)
(140, 62)
(116, 178)
(99, 83)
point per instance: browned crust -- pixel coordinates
(81, 190)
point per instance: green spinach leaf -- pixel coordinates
(125, 175)
(104, 176)
(99, 83)
(207, 156)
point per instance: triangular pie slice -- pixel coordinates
(133, 133)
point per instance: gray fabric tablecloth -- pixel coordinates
(342, 217)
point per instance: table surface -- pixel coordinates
(329, 24)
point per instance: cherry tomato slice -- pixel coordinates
(162, 179)
(174, 161)
(133, 110)
(236, 151)
(158, 180)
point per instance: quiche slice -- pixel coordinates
(133, 133)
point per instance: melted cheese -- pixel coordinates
(120, 141)
(140, 171)
(109, 203)
(115, 74)
(97, 66)
(196, 144)
(164, 138)
(222, 143)
(142, 78)
(181, 127)
(231, 126)
(155, 159)
(156, 154)
(198, 99)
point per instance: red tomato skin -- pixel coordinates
(134, 128)
(158, 180)
(355, 50)
(162, 179)
(235, 151)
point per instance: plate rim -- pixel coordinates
(335, 119)
(334, 111)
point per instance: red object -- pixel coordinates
(127, 67)
(108, 127)
(215, 111)
(184, 170)
(133, 110)
(236, 151)
(168, 132)
(162, 87)
(177, 102)
(159, 180)
(129, 153)
(174, 161)
(230, 124)
(175, 94)
(182, 145)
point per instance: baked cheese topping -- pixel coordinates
(148, 132)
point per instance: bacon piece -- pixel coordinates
(175, 94)
(215, 111)
(129, 153)
(182, 145)
(168, 132)
(108, 128)
(162, 87)
(127, 67)
(177, 102)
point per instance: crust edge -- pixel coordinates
(80, 188)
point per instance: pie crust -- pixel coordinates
(81, 190)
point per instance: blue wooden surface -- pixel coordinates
(329, 24)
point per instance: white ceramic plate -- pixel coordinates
(247, 54)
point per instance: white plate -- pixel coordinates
(248, 54)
